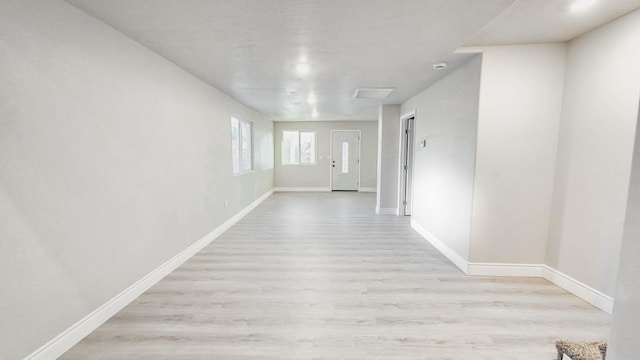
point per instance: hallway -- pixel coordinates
(321, 276)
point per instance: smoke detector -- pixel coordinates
(440, 66)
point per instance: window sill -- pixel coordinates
(244, 173)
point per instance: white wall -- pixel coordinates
(446, 117)
(626, 315)
(318, 175)
(388, 158)
(519, 115)
(113, 161)
(555, 134)
(594, 157)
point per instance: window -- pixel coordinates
(241, 145)
(298, 147)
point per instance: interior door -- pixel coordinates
(345, 162)
(407, 166)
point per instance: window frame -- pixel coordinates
(241, 163)
(315, 148)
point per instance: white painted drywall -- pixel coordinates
(113, 160)
(317, 176)
(594, 155)
(446, 117)
(518, 121)
(625, 326)
(388, 157)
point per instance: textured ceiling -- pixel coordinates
(538, 21)
(249, 48)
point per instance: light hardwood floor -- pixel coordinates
(321, 276)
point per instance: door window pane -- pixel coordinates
(345, 157)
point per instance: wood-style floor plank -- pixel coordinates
(321, 276)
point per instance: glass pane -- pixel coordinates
(246, 146)
(345, 157)
(235, 145)
(307, 148)
(290, 148)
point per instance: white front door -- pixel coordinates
(345, 159)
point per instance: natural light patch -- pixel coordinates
(241, 145)
(245, 132)
(290, 146)
(307, 147)
(298, 147)
(235, 145)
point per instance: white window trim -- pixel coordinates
(252, 154)
(315, 147)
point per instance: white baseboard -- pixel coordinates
(302, 189)
(577, 288)
(70, 337)
(594, 297)
(447, 251)
(317, 189)
(386, 211)
(497, 269)
(367, 189)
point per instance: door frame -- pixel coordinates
(411, 152)
(331, 156)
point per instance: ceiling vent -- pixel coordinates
(372, 93)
